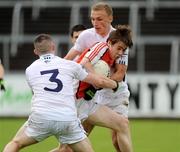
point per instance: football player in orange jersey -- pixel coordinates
(89, 108)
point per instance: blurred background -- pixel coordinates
(154, 65)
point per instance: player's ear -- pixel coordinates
(53, 47)
(35, 52)
(109, 43)
(110, 19)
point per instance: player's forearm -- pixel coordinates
(105, 82)
(87, 65)
(99, 81)
(120, 72)
(117, 76)
(71, 54)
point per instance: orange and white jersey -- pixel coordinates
(97, 52)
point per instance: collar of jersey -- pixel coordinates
(47, 57)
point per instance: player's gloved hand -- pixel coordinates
(89, 93)
(2, 87)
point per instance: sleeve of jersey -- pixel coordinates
(96, 52)
(124, 58)
(80, 72)
(80, 44)
(27, 77)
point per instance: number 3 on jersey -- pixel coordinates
(53, 78)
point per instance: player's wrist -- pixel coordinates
(117, 86)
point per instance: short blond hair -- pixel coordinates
(103, 6)
(42, 43)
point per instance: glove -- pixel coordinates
(2, 87)
(89, 93)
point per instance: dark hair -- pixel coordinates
(77, 28)
(122, 33)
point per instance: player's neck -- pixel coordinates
(106, 32)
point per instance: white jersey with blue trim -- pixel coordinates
(51, 80)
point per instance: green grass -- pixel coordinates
(147, 136)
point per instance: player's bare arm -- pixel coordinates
(87, 65)
(72, 54)
(120, 72)
(100, 81)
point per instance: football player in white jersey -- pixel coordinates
(2, 87)
(75, 31)
(101, 18)
(53, 110)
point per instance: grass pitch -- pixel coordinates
(147, 136)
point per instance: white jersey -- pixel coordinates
(50, 79)
(88, 38)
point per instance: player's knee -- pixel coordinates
(124, 124)
(17, 144)
(12, 145)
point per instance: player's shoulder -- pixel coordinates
(32, 67)
(99, 47)
(69, 63)
(88, 32)
(33, 64)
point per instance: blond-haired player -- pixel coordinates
(101, 19)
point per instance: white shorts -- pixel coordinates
(86, 108)
(118, 101)
(66, 132)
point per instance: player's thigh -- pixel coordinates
(21, 137)
(85, 108)
(82, 146)
(121, 109)
(88, 127)
(71, 132)
(22, 129)
(106, 117)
